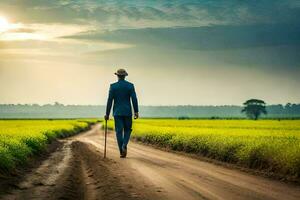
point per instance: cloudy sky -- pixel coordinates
(203, 52)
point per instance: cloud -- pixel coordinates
(202, 38)
(56, 50)
(41, 31)
(259, 46)
(22, 30)
(118, 14)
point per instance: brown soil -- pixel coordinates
(77, 170)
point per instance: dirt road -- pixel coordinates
(77, 170)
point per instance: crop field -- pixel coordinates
(268, 145)
(22, 138)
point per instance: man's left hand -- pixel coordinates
(136, 115)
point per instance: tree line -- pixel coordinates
(58, 110)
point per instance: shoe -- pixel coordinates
(124, 152)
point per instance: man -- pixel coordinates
(120, 93)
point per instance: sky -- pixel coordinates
(181, 52)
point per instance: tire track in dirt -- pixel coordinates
(41, 182)
(77, 171)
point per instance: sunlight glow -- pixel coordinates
(9, 31)
(4, 24)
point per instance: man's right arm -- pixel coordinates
(109, 103)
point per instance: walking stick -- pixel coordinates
(105, 130)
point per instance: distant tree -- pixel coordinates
(58, 104)
(288, 105)
(183, 117)
(254, 108)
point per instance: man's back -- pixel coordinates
(120, 94)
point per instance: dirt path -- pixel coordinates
(78, 171)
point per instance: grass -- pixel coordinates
(268, 145)
(20, 139)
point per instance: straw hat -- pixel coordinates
(121, 72)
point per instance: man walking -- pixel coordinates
(120, 94)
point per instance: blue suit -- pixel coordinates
(121, 94)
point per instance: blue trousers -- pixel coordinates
(123, 128)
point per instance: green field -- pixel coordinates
(269, 145)
(21, 138)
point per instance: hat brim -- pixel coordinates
(121, 74)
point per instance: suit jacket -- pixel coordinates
(120, 94)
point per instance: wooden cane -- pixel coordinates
(105, 130)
